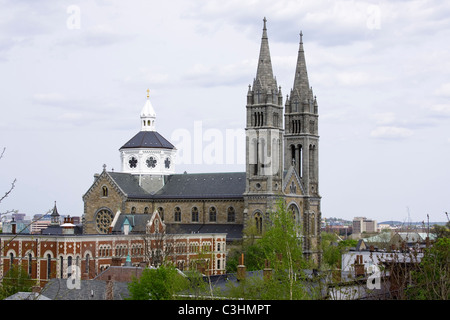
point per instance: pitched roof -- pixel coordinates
(233, 231)
(148, 139)
(222, 185)
(203, 185)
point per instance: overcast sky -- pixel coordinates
(74, 76)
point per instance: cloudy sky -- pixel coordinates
(74, 76)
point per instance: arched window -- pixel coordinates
(161, 212)
(133, 209)
(49, 265)
(104, 191)
(11, 259)
(146, 210)
(177, 214)
(30, 261)
(194, 214)
(212, 214)
(69, 266)
(88, 258)
(231, 216)
(258, 222)
(293, 209)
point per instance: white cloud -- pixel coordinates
(388, 132)
(443, 90)
(384, 118)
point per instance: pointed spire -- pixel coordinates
(301, 82)
(55, 216)
(264, 73)
(148, 115)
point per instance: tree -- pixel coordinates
(431, 280)
(281, 246)
(15, 280)
(161, 283)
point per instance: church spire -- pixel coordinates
(264, 74)
(301, 83)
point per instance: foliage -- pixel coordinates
(157, 284)
(15, 280)
(442, 231)
(432, 277)
(281, 246)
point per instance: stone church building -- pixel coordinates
(281, 163)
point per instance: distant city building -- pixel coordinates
(362, 224)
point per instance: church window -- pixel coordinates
(151, 162)
(231, 217)
(132, 162)
(212, 214)
(258, 222)
(103, 220)
(293, 209)
(177, 214)
(104, 191)
(133, 209)
(194, 212)
(167, 163)
(161, 212)
(146, 210)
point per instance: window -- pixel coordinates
(133, 210)
(30, 261)
(104, 191)
(87, 263)
(212, 214)
(161, 213)
(49, 265)
(103, 220)
(231, 217)
(146, 210)
(177, 214)
(69, 266)
(258, 222)
(194, 213)
(11, 259)
(61, 267)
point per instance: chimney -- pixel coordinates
(241, 269)
(267, 272)
(13, 226)
(359, 267)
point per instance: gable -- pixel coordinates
(292, 183)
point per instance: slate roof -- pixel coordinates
(233, 231)
(57, 289)
(224, 185)
(148, 139)
(129, 184)
(203, 185)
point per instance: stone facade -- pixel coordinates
(281, 165)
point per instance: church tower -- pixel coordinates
(264, 134)
(301, 146)
(148, 155)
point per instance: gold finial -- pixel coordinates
(148, 93)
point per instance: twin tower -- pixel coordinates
(282, 158)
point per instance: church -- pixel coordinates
(281, 163)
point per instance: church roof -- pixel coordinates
(203, 185)
(186, 186)
(148, 139)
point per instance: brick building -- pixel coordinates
(55, 252)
